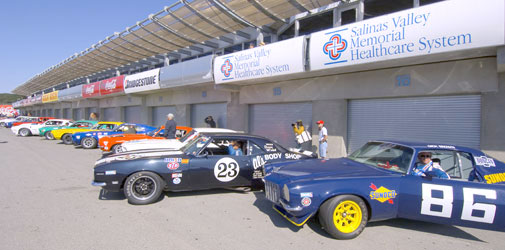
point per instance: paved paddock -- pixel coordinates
(47, 202)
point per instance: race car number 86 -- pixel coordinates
(468, 203)
(226, 169)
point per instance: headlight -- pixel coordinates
(78, 137)
(285, 192)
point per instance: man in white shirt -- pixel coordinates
(323, 139)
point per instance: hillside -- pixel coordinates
(9, 98)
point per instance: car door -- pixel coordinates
(213, 167)
(454, 201)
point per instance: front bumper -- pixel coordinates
(98, 184)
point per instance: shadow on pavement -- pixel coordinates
(172, 194)
(427, 227)
(113, 196)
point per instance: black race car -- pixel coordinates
(208, 161)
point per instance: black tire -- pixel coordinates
(67, 139)
(143, 188)
(24, 132)
(88, 142)
(346, 222)
(49, 135)
(116, 148)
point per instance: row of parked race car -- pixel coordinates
(373, 183)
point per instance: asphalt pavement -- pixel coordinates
(47, 202)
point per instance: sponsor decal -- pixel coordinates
(258, 162)
(176, 181)
(382, 194)
(269, 147)
(274, 156)
(258, 174)
(441, 146)
(226, 169)
(173, 159)
(176, 175)
(110, 172)
(484, 161)
(173, 165)
(306, 194)
(292, 156)
(306, 201)
(185, 161)
(387, 165)
(495, 178)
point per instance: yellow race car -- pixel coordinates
(66, 134)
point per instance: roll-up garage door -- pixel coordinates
(44, 112)
(91, 110)
(132, 114)
(50, 112)
(57, 113)
(200, 111)
(77, 113)
(67, 114)
(440, 119)
(160, 115)
(38, 113)
(111, 115)
(274, 120)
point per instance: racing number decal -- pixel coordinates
(226, 169)
(468, 203)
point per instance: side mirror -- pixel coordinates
(203, 154)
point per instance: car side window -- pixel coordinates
(466, 164)
(449, 162)
(254, 149)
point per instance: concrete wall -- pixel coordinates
(493, 120)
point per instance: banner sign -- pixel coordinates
(143, 81)
(280, 58)
(91, 90)
(38, 99)
(431, 29)
(112, 85)
(50, 97)
(8, 110)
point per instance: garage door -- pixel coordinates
(274, 120)
(160, 115)
(444, 119)
(132, 114)
(77, 114)
(111, 115)
(200, 111)
(44, 112)
(57, 113)
(67, 114)
(50, 112)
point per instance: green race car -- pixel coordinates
(46, 131)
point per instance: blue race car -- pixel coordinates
(89, 139)
(386, 180)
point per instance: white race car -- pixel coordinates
(169, 144)
(17, 119)
(33, 128)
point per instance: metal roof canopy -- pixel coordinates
(184, 29)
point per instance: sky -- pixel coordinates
(39, 34)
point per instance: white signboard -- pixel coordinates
(275, 59)
(435, 28)
(144, 81)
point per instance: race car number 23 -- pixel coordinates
(226, 169)
(469, 205)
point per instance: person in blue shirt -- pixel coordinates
(235, 148)
(425, 167)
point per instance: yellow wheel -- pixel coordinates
(343, 216)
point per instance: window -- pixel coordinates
(449, 162)
(425, 2)
(465, 161)
(348, 16)
(288, 33)
(375, 8)
(222, 146)
(232, 49)
(254, 149)
(316, 23)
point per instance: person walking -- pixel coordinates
(323, 139)
(170, 127)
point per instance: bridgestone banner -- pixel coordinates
(148, 80)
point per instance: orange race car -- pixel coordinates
(111, 143)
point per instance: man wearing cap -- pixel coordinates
(323, 139)
(170, 126)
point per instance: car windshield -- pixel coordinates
(153, 133)
(96, 126)
(188, 136)
(194, 146)
(384, 155)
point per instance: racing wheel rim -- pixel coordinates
(23, 132)
(87, 142)
(347, 216)
(143, 188)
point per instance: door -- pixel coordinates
(160, 115)
(111, 114)
(214, 167)
(200, 111)
(132, 114)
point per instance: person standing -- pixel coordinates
(210, 122)
(170, 127)
(323, 139)
(298, 129)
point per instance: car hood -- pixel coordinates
(152, 144)
(333, 168)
